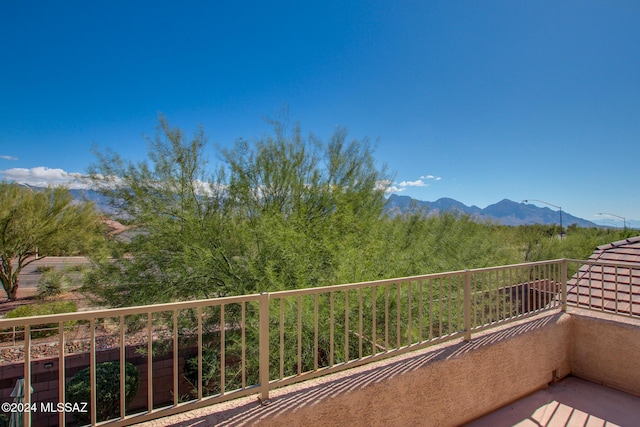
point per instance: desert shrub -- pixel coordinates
(107, 390)
(76, 268)
(43, 268)
(52, 283)
(43, 309)
(210, 371)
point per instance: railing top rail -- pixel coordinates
(278, 294)
(114, 312)
(335, 288)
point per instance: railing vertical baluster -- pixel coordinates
(564, 278)
(518, 295)
(331, 328)
(386, 317)
(176, 391)
(540, 280)
(398, 312)
(243, 340)
(299, 334)
(92, 370)
(281, 337)
(556, 283)
(430, 309)
(316, 347)
(460, 302)
(409, 316)
(61, 373)
(373, 320)
(473, 278)
(440, 307)
(482, 298)
(149, 361)
(122, 367)
(264, 347)
(421, 309)
(346, 325)
(493, 300)
(27, 375)
(223, 359)
(200, 385)
(450, 304)
(506, 312)
(467, 305)
(360, 321)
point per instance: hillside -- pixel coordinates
(506, 212)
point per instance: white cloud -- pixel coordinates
(8, 158)
(436, 178)
(416, 183)
(394, 189)
(397, 187)
(42, 176)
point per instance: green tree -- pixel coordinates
(274, 214)
(37, 223)
(185, 242)
(304, 203)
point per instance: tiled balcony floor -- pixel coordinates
(571, 402)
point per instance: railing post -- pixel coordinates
(563, 274)
(467, 305)
(27, 375)
(264, 346)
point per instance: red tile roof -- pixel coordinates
(600, 286)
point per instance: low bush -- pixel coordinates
(57, 307)
(78, 390)
(43, 268)
(52, 283)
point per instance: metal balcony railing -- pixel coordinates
(196, 353)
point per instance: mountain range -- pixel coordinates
(505, 212)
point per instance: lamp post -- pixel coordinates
(552, 205)
(624, 220)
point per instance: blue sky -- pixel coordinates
(473, 100)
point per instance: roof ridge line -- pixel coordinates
(619, 243)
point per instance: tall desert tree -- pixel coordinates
(272, 214)
(184, 245)
(40, 221)
(304, 202)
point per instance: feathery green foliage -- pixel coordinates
(277, 214)
(41, 222)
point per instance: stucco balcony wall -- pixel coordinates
(451, 383)
(445, 385)
(606, 350)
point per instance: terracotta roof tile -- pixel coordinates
(609, 288)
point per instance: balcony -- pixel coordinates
(440, 349)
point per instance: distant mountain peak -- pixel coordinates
(505, 212)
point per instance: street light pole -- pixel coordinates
(552, 205)
(624, 220)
